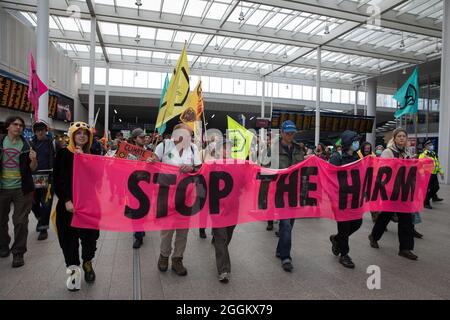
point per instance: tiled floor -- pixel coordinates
(256, 272)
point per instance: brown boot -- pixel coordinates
(177, 266)
(163, 263)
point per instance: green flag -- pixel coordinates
(166, 84)
(408, 95)
(241, 139)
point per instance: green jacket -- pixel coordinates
(432, 155)
(297, 156)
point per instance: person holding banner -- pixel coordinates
(42, 143)
(138, 138)
(80, 141)
(17, 161)
(222, 236)
(181, 152)
(396, 148)
(289, 154)
(339, 241)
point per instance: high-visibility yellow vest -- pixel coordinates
(432, 155)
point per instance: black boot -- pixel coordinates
(269, 226)
(89, 274)
(202, 233)
(417, 234)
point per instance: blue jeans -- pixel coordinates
(284, 242)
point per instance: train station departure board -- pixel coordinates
(14, 95)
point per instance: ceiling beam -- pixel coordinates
(230, 29)
(197, 50)
(90, 6)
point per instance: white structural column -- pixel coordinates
(319, 62)
(107, 101)
(262, 96)
(372, 108)
(92, 73)
(355, 111)
(43, 14)
(444, 113)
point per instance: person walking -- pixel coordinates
(340, 241)
(17, 161)
(42, 143)
(178, 151)
(433, 184)
(290, 153)
(80, 141)
(396, 148)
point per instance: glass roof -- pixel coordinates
(250, 37)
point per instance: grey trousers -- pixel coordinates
(180, 242)
(222, 238)
(22, 208)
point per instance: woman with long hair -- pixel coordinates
(80, 141)
(396, 148)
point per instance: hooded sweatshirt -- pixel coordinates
(347, 139)
(63, 166)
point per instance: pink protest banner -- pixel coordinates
(126, 195)
(36, 87)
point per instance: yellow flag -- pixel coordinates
(177, 96)
(194, 109)
(241, 139)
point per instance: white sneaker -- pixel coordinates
(224, 277)
(73, 282)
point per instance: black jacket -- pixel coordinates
(339, 160)
(62, 174)
(24, 164)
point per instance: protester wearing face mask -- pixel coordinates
(379, 150)
(339, 241)
(396, 148)
(433, 184)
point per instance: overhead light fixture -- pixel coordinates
(120, 120)
(115, 111)
(136, 74)
(212, 117)
(404, 71)
(287, 86)
(252, 118)
(239, 82)
(402, 43)
(137, 39)
(327, 28)
(241, 15)
(138, 3)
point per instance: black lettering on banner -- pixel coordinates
(138, 193)
(200, 197)
(406, 187)
(291, 188)
(345, 189)
(380, 183)
(165, 181)
(214, 193)
(306, 186)
(367, 186)
(263, 192)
